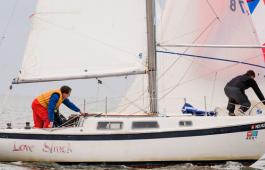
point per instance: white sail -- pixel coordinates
(200, 74)
(85, 38)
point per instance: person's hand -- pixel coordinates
(82, 113)
(50, 125)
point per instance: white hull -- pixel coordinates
(219, 139)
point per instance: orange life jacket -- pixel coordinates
(44, 98)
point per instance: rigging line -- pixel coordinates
(5, 99)
(48, 13)
(126, 105)
(69, 120)
(187, 81)
(109, 99)
(101, 100)
(253, 27)
(179, 36)
(237, 27)
(194, 41)
(212, 58)
(250, 110)
(216, 18)
(137, 98)
(3, 36)
(203, 65)
(131, 102)
(97, 96)
(143, 89)
(169, 6)
(205, 29)
(133, 113)
(94, 102)
(179, 82)
(215, 13)
(141, 95)
(213, 90)
(221, 69)
(162, 13)
(169, 67)
(88, 36)
(194, 30)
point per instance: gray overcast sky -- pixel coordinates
(14, 28)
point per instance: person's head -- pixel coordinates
(66, 91)
(251, 73)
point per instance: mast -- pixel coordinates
(151, 59)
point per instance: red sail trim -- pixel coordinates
(263, 50)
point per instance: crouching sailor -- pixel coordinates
(235, 91)
(43, 106)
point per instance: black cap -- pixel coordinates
(250, 73)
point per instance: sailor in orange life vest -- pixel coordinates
(44, 106)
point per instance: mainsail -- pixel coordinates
(199, 75)
(73, 39)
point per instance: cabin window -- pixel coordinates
(109, 125)
(145, 125)
(185, 123)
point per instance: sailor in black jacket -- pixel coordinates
(235, 91)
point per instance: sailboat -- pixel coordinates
(185, 51)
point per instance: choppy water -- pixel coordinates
(18, 111)
(171, 166)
